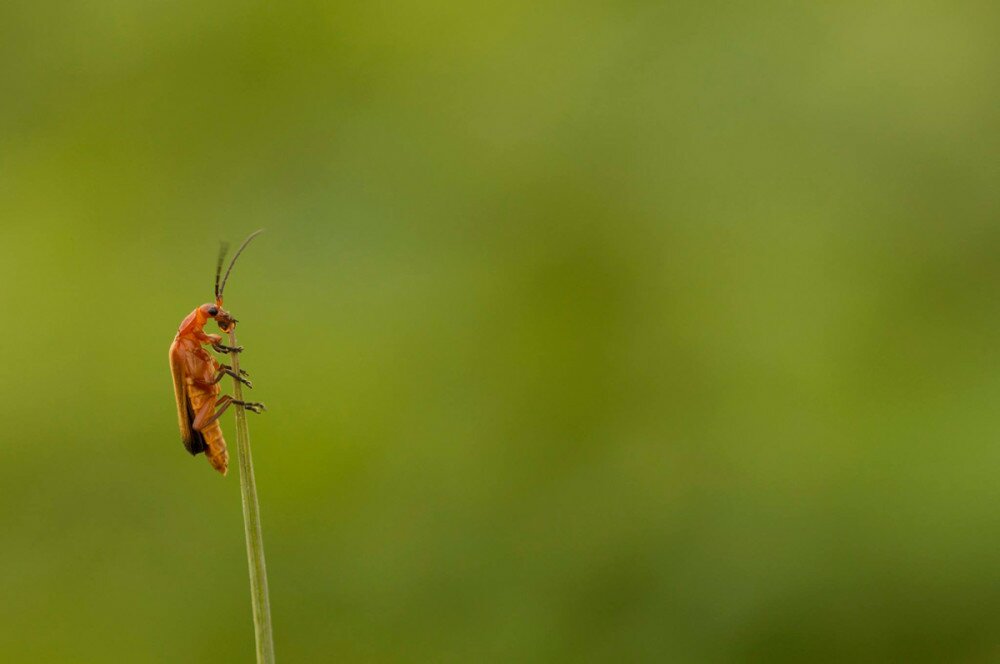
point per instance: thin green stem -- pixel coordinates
(251, 521)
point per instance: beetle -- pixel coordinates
(197, 374)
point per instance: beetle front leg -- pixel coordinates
(222, 348)
(216, 342)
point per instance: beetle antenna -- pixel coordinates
(233, 262)
(223, 247)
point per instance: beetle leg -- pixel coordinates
(226, 366)
(224, 372)
(202, 418)
(252, 406)
(226, 401)
(228, 371)
(223, 403)
(223, 348)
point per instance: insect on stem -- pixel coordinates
(196, 375)
(251, 520)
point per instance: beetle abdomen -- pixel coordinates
(215, 444)
(215, 447)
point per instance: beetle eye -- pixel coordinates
(212, 311)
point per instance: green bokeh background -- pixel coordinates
(590, 331)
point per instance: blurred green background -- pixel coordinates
(590, 331)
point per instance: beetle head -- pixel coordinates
(224, 319)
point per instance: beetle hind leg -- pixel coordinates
(224, 402)
(252, 406)
(202, 418)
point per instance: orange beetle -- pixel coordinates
(197, 374)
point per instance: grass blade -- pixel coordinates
(259, 599)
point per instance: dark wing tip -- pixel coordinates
(196, 443)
